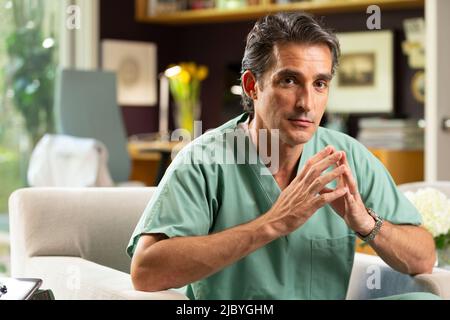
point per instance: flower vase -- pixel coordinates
(186, 112)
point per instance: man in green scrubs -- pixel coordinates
(232, 220)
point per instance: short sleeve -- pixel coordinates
(379, 191)
(181, 206)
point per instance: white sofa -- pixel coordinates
(75, 240)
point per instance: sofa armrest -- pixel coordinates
(372, 278)
(438, 282)
(79, 279)
(91, 223)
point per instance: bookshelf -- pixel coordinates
(249, 12)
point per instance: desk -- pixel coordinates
(150, 159)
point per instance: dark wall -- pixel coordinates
(117, 22)
(218, 45)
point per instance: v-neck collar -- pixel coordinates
(263, 175)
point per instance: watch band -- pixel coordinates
(375, 230)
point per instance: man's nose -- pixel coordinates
(304, 99)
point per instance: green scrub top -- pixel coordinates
(200, 195)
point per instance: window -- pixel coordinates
(28, 60)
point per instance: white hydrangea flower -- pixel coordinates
(434, 207)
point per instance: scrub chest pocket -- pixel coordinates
(331, 266)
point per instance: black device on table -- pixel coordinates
(23, 289)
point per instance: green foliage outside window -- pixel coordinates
(30, 72)
(28, 50)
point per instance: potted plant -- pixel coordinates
(185, 83)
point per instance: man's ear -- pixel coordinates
(249, 84)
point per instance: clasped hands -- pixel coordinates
(308, 192)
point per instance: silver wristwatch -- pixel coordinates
(375, 230)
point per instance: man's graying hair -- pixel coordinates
(283, 27)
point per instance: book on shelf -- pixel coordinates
(387, 123)
(156, 7)
(391, 133)
(200, 4)
(231, 4)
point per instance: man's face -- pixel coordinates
(293, 93)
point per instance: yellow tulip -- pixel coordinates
(190, 67)
(202, 72)
(184, 76)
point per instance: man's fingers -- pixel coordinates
(340, 180)
(348, 176)
(314, 159)
(349, 198)
(326, 190)
(328, 197)
(326, 178)
(351, 182)
(317, 169)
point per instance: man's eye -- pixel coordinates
(288, 81)
(321, 84)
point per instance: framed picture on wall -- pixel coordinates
(135, 64)
(364, 79)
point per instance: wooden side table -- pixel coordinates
(150, 159)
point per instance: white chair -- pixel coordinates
(86, 107)
(75, 240)
(66, 161)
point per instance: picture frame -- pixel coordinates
(418, 86)
(363, 82)
(135, 64)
